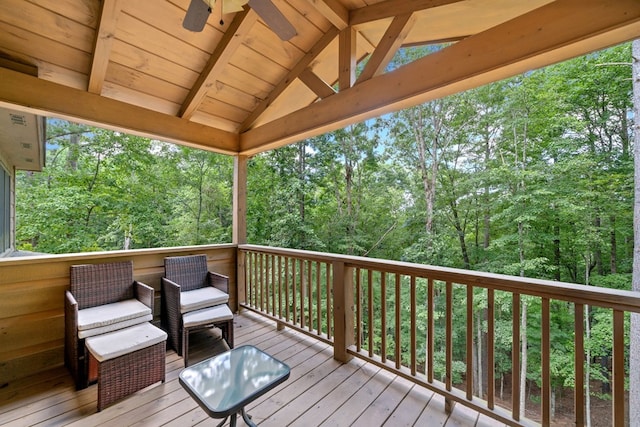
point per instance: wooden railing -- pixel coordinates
(380, 310)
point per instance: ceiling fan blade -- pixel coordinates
(197, 15)
(273, 18)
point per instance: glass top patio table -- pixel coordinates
(224, 384)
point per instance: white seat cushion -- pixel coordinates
(114, 326)
(111, 316)
(205, 316)
(125, 341)
(202, 298)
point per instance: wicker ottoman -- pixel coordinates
(129, 360)
(219, 316)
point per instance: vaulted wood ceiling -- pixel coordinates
(237, 88)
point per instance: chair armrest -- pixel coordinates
(219, 281)
(71, 349)
(171, 316)
(171, 291)
(144, 294)
(71, 313)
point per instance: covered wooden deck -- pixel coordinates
(320, 391)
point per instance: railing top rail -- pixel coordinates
(580, 294)
(44, 258)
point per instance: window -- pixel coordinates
(5, 210)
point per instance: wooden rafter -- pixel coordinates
(21, 91)
(316, 84)
(334, 11)
(436, 41)
(390, 43)
(327, 38)
(347, 59)
(153, 63)
(513, 47)
(232, 39)
(391, 8)
(102, 44)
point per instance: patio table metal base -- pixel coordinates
(246, 417)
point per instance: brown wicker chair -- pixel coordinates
(189, 287)
(96, 289)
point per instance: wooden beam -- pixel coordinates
(334, 11)
(435, 41)
(31, 94)
(102, 45)
(232, 39)
(391, 8)
(21, 67)
(552, 33)
(324, 41)
(239, 219)
(347, 59)
(316, 84)
(389, 44)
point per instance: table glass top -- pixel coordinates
(230, 380)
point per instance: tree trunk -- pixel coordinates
(597, 252)
(487, 210)
(72, 152)
(480, 379)
(203, 171)
(587, 370)
(461, 235)
(556, 251)
(347, 145)
(613, 265)
(634, 353)
(302, 147)
(523, 365)
(127, 238)
(428, 175)
(587, 327)
(429, 191)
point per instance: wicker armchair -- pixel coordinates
(188, 288)
(102, 298)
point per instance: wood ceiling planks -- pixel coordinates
(155, 65)
(43, 22)
(246, 80)
(39, 50)
(145, 83)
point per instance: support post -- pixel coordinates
(347, 58)
(342, 311)
(240, 222)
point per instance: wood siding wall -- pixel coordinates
(32, 293)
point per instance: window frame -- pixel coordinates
(5, 209)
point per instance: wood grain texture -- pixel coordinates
(241, 79)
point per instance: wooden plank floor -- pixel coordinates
(319, 392)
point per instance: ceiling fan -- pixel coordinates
(199, 11)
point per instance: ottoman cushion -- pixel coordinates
(206, 316)
(124, 341)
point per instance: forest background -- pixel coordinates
(531, 176)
